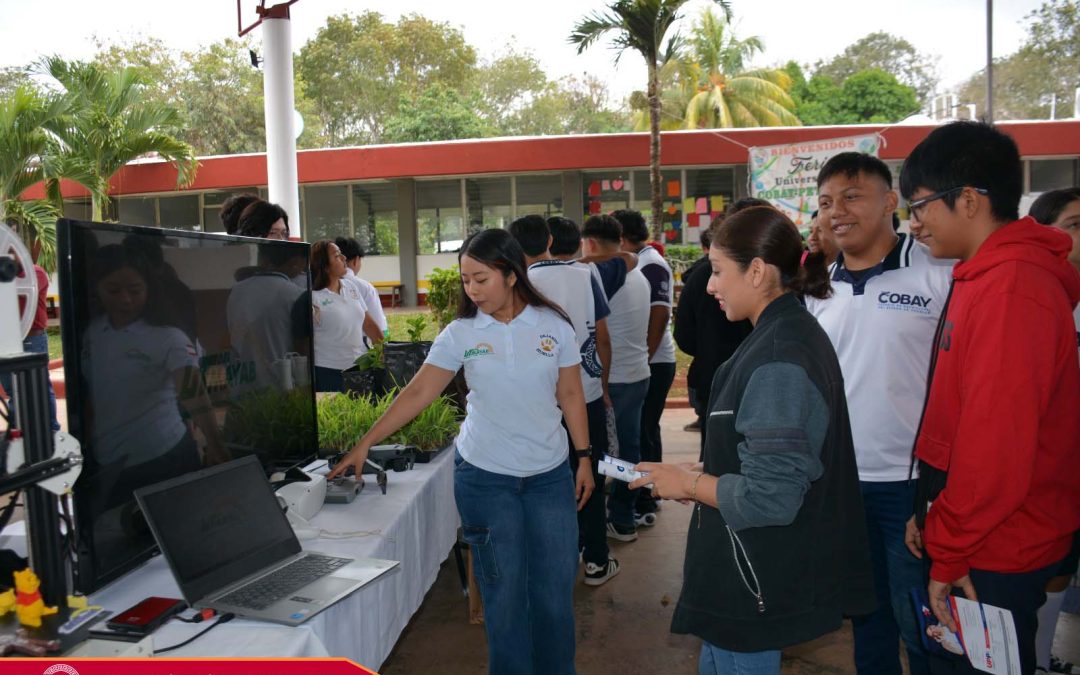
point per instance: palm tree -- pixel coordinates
(642, 26)
(113, 122)
(727, 95)
(28, 155)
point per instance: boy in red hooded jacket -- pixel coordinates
(999, 445)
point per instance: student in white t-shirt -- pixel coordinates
(888, 294)
(512, 483)
(661, 344)
(628, 382)
(354, 258)
(341, 320)
(562, 283)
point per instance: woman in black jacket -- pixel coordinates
(777, 550)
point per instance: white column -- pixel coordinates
(279, 102)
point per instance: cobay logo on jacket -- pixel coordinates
(908, 302)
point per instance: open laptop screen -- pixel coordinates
(218, 525)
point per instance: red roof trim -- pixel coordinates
(546, 153)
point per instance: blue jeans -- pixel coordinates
(35, 344)
(888, 507)
(628, 400)
(523, 533)
(717, 661)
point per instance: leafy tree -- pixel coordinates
(111, 123)
(1044, 65)
(438, 114)
(358, 67)
(641, 26)
(885, 52)
(506, 85)
(869, 96)
(572, 105)
(14, 77)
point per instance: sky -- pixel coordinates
(800, 30)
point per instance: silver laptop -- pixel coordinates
(231, 548)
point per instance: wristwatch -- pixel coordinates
(584, 454)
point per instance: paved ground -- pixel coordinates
(622, 626)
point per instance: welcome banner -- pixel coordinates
(786, 175)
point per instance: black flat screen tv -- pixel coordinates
(181, 350)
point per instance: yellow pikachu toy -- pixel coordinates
(7, 601)
(29, 605)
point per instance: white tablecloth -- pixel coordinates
(417, 521)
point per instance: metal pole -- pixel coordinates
(279, 102)
(990, 61)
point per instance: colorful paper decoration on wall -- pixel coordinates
(689, 205)
(605, 186)
(717, 203)
(617, 185)
(594, 207)
(674, 189)
(702, 205)
(594, 188)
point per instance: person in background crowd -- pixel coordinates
(354, 258)
(512, 481)
(628, 381)
(233, 207)
(341, 321)
(562, 283)
(888, 296)
(263, 220)
(776, 552)
(821, 239)
(1061, 209)
(701, 328)
(997, 501)
(37, 340)
(661, 345)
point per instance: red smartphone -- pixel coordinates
(147, 616)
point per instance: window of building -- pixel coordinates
(540, 195)
(1052, 174)
(671, 190)
(606, 191)
(137, 210)
(439, 216)
(180, 212)
(77, 209)
(375, 217)
(489, 203)
(326, 212)
(212, 202)
(708, 193)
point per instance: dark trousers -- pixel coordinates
(888, 507)
(592, 527)
(1022, 594)
(329, 379)
(652, 449)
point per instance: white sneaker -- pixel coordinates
(598, 574)
(645, 519)
(619, 534)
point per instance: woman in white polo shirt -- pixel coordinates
(341, 320)
(512, 480)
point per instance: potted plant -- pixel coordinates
(403, 359)
(345, 418)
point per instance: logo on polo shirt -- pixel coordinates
(481, 349)
(906, 302)
(547, 345)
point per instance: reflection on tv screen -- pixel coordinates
(182, 350)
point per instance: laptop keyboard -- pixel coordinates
(264, 592)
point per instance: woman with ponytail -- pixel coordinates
(777, 551)
(515, 492)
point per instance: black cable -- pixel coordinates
(224, 618)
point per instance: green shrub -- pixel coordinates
(681, 256)
(444, 291)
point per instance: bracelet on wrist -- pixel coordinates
(584, 454)
(693, 487)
